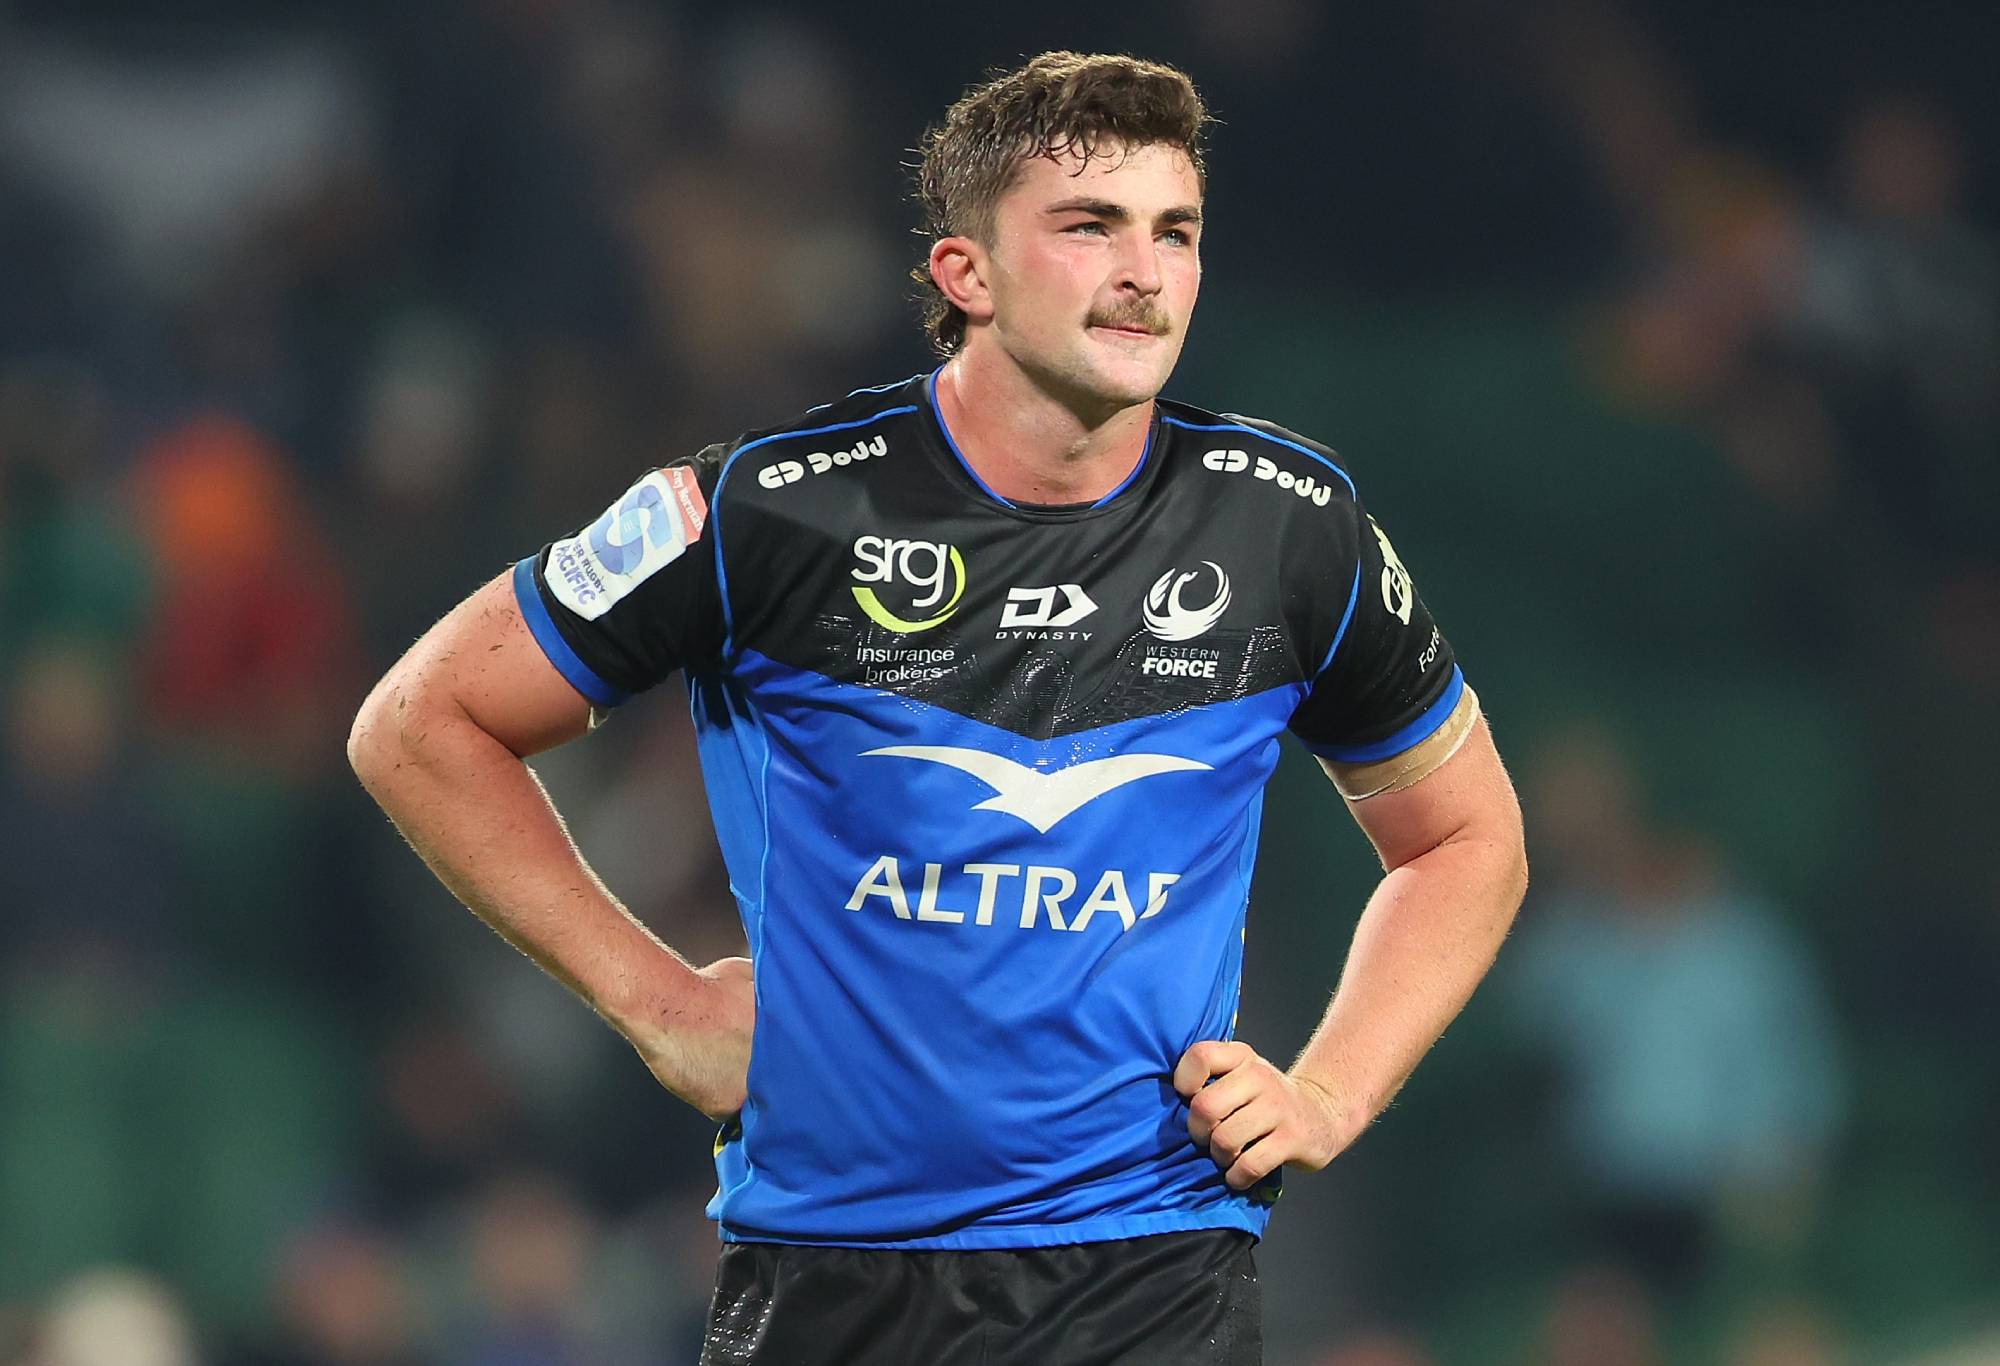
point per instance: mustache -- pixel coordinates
(1142, 314)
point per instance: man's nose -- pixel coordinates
(1139, 264)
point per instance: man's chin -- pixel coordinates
(1108, 377)
(1125, 380)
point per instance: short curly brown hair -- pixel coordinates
(1059, 103)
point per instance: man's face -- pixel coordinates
(1092, 277)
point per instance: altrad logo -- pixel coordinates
(928, 890)
(1042, 799)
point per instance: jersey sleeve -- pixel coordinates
(630, 598)
(1390, 680)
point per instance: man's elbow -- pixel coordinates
(380, 740)
(1514, 841)
(1503, 837)
(365, 738)
(1517, 884)
(1512, 858)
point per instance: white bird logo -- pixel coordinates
(1042, 799)
(1168, 619)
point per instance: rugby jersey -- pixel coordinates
(987, 779)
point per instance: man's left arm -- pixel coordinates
(1450, 842)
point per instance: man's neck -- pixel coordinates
(1030, 447)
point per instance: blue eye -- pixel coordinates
(1092, 226)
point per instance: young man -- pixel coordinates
(989, 669)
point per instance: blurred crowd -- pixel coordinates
(312, 318)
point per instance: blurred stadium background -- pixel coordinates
(1665, 336)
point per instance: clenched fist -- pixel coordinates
(1252, 1117)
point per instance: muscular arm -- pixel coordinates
(1456, 870)
(1451, 847)
(440, 744)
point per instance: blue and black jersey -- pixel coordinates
(987, 778)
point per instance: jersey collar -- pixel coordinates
(1065, 509)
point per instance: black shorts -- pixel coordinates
(1173, 1299)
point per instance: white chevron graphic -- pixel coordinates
(1042, 799)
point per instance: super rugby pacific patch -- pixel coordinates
(639, 535)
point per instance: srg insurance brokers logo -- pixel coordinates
(925, 578)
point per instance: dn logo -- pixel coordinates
(1235, 462)
(783, 472)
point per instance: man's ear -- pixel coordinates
(959, 266)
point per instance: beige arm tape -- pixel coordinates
(1357, 782)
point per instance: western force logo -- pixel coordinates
(1184, 661)
(933, 569)
(1171, 619)
(1042, 799)
(637, 536)
(779, 473)
(1399, 593)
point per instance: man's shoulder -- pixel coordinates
(819, 427)
(1259, 450)
(809, 470)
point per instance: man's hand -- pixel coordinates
(1254, 1118)
(699, 1048)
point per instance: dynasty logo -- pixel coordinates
(1034, 614)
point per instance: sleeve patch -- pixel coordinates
(1399, 594)
(639, 535)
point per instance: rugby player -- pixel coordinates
(989, 669)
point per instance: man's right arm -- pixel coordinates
(441, 745)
